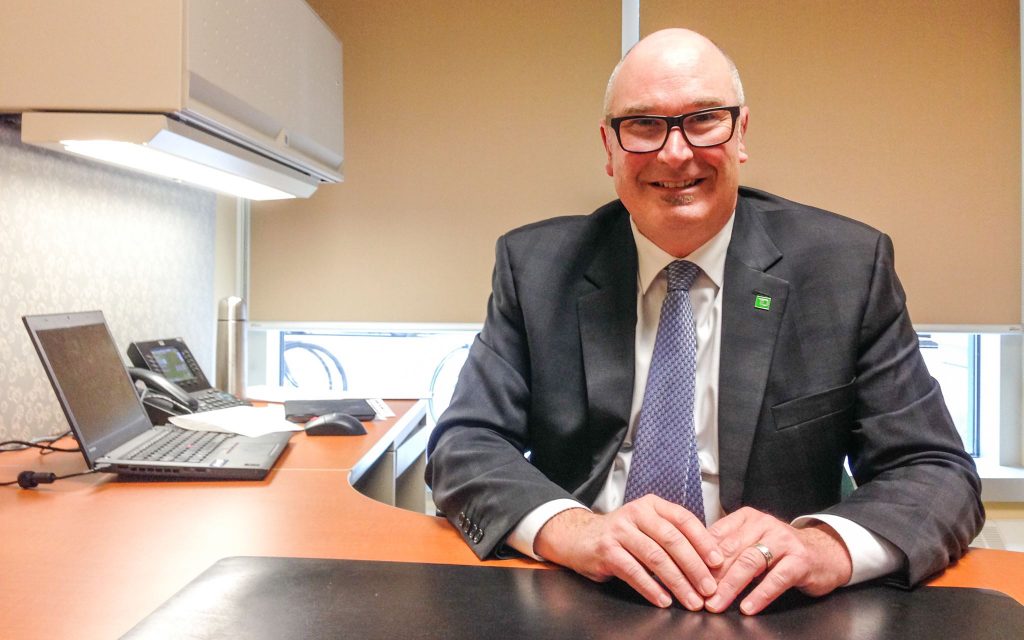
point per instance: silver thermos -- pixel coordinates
(232, 318)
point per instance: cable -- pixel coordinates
(320, 358)
(317, 352)
(21, 445)
(29, 479)
(45, 441)
(320, 353)
(437, 374)
(163, 402)
(32, 479)
(53, 438)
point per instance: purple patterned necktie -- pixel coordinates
(665, 455)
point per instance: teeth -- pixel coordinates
(677, 185)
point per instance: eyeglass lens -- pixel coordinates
(642, 134)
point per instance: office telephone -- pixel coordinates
(174, 382)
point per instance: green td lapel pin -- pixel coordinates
(762, 302)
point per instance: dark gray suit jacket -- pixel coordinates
(831, 370)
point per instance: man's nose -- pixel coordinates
(676, 148)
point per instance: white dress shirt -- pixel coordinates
(872, 556)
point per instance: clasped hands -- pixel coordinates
(663, 551)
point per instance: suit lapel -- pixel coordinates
(607, 317)
(748, 337)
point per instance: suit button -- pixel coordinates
(478, 536)
(461, 518)
(465, 526)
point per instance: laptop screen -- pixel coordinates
(89, 378)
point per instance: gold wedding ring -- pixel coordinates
(766, 552)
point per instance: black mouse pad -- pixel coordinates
(256, 598)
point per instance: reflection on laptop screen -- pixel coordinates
(86, 369)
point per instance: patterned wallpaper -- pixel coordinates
(77, 235)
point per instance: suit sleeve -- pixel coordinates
(917, 487)
(477, 466)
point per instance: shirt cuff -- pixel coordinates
(871, 556)
(522, 537)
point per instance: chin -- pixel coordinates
(686, 214)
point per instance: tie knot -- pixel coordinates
(681, 275)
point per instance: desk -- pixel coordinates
(90, 557)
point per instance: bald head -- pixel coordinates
(674, 47)
(680, 194)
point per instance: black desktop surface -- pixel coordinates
(255, 598)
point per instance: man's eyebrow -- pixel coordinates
(636, 110)
(696, 105)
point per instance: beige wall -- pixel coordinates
(78, 235)
(905, 115)
(462, 120)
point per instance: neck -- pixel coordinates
(682, 242)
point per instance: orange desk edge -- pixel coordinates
(89, 557)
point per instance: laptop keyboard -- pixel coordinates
(180, 445)
(211, 399)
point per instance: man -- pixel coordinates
(803, 354)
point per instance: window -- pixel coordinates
(953, 360)
(391, 360)
(379, 360)
(980, 376)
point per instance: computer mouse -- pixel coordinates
(335, 424)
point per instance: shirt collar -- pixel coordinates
(710, 256)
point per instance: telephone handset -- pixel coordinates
(161, 385)
(174, 380)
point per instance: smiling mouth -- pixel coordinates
(678, 185)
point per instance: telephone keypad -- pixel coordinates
(212, 399)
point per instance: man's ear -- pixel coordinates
(742, 125)
(607, 139)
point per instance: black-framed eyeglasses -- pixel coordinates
(704, 128)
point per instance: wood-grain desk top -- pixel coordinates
(89, 557)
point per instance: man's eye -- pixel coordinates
(638, 125)
(705, 118)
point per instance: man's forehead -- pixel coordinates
(649, 89)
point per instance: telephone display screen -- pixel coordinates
(173, 366)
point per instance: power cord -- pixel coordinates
(45, 446)
(29, 479)
(32, 479)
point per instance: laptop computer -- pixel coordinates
(108, 419)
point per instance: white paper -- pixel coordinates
(243, 420)
(381, 408)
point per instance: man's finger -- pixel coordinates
(677, 564)
(690, 548)
(749, 564)
(739, 531)
(666, 554)
(727, 525)
(696, 534)
(776, 582)
(626, 567)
